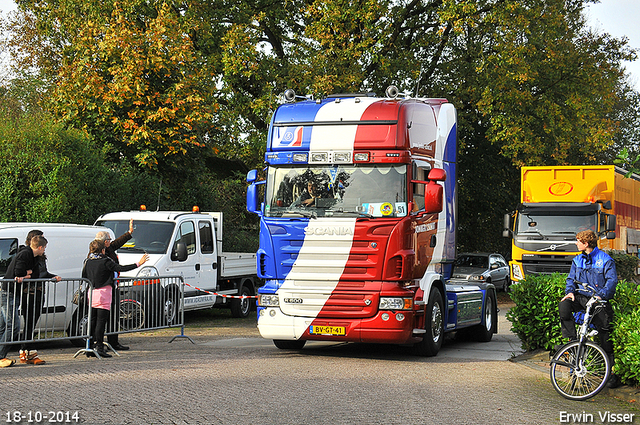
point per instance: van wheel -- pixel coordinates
(434, 326)
(241, 308)
(78, 327)
(170, 305)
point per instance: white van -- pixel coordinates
(68, 246)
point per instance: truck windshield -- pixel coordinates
(328, 190)
(152, 237)
(555, 224)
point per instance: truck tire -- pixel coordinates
(285, 344)
(241, 308)
(170, 305)
(484, 331)
(434, 325)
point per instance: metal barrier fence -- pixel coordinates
(39, 310)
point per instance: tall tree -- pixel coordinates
(158, 80)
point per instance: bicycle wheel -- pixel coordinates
(579, 374)
(131, 315)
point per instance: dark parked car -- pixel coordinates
(483, 267)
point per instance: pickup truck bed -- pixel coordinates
(236, 264)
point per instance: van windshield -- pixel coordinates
(152, 237)
(8, 249)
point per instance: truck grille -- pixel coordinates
(546, 264)
(321, 305)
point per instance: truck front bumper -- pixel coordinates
(390, 327)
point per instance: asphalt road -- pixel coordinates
(232, 376)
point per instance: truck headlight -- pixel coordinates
(148, 272)
(268, 300)
(516, 271)
(395, 303)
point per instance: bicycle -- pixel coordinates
(580, 369)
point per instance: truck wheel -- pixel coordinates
(434, 325)
(285, 344)
(484, 331)
(241, 308)
(170, 305)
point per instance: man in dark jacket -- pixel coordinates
(23, 266)
(110, 248)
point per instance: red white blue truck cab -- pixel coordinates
(358, 225)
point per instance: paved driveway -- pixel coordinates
(231, 376)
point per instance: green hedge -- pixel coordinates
(535, 317)
(626, 264)
(536, 321)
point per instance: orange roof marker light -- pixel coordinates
(143, 207)
(196, 209)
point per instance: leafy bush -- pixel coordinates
(626, 264)
(535, 317)
(48, 173)
(626, 342)
(625, 337)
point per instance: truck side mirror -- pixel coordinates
(252, 192)
(252, 176)
(611, 226)
(433, 195)
(506, 230)
(179, 252)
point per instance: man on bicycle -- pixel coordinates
(592, 273)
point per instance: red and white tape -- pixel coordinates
(241, 297)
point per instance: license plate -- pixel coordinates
(327, 330)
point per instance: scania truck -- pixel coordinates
(558, 202)
(358, 225)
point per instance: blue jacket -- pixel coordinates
(597, 271)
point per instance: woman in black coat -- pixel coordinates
(100, 270)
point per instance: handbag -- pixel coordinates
(78, 295)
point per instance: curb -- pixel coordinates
(539, 360)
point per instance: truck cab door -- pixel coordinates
(208, 270)
(186, 234)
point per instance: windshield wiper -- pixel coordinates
(534, 231)
(359, 213)
(307, 214)
(131, 248)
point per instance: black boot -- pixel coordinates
(101, 351)
(614, 380)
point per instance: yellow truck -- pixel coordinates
(558, 202)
